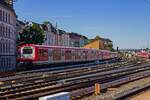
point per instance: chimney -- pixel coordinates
(10, 2)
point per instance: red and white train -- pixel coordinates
(143, 54)
(40, 54)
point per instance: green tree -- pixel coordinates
(46, 22)
(32, 34)
(110, 45)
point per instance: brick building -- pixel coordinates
(7, 36)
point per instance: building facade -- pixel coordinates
(100, 43)
(7, 37)
(50, 34)
(64, 38)
(57, 37)
(77, 40)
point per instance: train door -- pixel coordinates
(50, 53)
(73, 55)
(68, 55)
(78, 55)
(56, 55)
(83, 54)
(63, 55)
(100, 55)
(43, 54)
(86, 55)
(103, 55)
(97, 54)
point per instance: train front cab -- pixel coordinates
(26, 54)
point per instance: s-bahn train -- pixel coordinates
(41, 54)
(143, 54)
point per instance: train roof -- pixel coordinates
(65, 47)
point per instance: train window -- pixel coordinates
(56, 54)
(43, 52)
(68, 51)
(84, 53)
(68, 54)
(92, 53)
(27, 51)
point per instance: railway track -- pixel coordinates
(43, 75)
(60, 68)
(68, 80)
(77, 94)
(69, 86)
(48, 81)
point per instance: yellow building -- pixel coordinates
(99, 43)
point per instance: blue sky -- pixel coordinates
(126, 22)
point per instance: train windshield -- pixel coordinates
(27, 50)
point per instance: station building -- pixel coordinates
(7, 36)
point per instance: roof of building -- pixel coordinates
(8, 6)
(20, 22)
(98, 38)
(61, 31)
(77, 35)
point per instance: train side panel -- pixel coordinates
(59, 54)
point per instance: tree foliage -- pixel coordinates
(46, 22)
(32, 34)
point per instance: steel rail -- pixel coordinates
(61, 76)
(50, 74)
(86, 80)
(90, 90)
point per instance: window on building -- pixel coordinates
(6, 31)
(3, 16)
(0, 14)
(0, 46)
(8, 18)
(0, 30)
